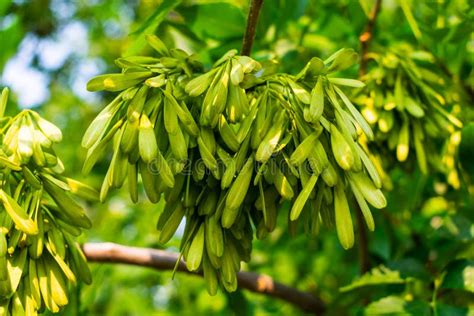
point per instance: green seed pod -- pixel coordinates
(341, 149)
(345, 231)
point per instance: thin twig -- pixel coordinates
(164, 260)
(367, 36)
(254, 11)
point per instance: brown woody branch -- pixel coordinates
(367, 36)
(164, 260)
(252, 19)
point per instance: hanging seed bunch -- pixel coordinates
(262, 141)
(149, 123)
(224, 100)
(403, 103)
(39, 220)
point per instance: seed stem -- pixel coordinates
(366, 36)
(252, 19)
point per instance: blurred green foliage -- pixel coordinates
(422, 249)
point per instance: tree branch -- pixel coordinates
(164, 260)
(367, 36)
(254, 11)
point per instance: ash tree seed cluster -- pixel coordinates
(233, 148)
(39, 220)
(148, 122)
(403, 103)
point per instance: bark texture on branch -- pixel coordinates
(252, 19)
(367, 36)
(164, 260)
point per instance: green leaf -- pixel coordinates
(4, 4)
(280, 13)
(460, 276)
(157, 17)
(227, 23)
(151, 24)
(448, 310)
(377, 276)
(365, 5)
(11, 34)
(407, 10)
(239, 304)
(394, 305)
